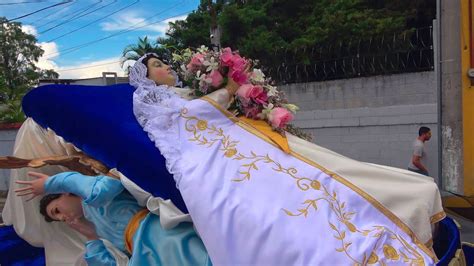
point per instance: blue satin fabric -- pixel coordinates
(100, 121)
(153, 245)
(105, 203)
(109, 207)
(468, 253)
(16, 251)
(447, 241)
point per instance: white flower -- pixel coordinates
(211, 64)
(291, 107)
(177, 57)
(203, 49)
(187, 53)
(199, 76)
(203, 78)
(257, 76)
(271, 90)
(266, 111)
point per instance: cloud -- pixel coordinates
(30, 30)
(127, 20)
(45, 61)
(48, 48)
(91, 69)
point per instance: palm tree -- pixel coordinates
(134, 51)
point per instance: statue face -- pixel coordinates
(160, 72)
(66, 208)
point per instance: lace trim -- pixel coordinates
(157, 110)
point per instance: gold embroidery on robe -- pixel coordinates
(207, 135)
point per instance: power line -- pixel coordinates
(91, 66)
(132, 28)
(34, 12)
(73, 14)
(79, 16)
(49, 14)
(24, 2)
(67, 33)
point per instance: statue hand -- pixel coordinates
(34, 187)
(232, 86)
(85, 227)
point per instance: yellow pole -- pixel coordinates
(467, 39)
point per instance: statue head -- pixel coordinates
(158, 70)
(61, 207)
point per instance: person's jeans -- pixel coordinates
(419, 171)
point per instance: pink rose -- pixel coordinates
(233, 60)
(244, 91)
(279, 117)
(239, 77)
(216, 78)
(226, 57)
(239, 63)
(250, 92)
(196, 62)
(258, 95)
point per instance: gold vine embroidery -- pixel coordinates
(199, 127)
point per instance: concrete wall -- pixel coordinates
(7, 141)
(451, 97)
(373, 119)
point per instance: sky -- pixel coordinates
(79, 53)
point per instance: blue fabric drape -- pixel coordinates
(468, 253)
(100, 121)
(447, 242)
(16, 251)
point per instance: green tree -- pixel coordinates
(263, 29)
(18, 54)
(191, 32)
(48, 74)
(134, 51)
(18, 74)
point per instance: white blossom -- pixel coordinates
(257, 76)
(203, 49)
(212, 64)
(271, 90)
(291, 107)
(266, 111)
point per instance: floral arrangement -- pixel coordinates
(205, 71)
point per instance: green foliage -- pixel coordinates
(134, 51)
(18, 53)
(10, 110)
(262, 29)
(192, 32)
(48, 74)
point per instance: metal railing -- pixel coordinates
(408, 51)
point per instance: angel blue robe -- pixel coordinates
(110, 207)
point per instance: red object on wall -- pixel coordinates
(7, 126)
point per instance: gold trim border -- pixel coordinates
(339, 178)
(438, 217)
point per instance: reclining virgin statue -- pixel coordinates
(254, 196)
(261, 204)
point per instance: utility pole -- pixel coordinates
(215, 31)
(457, 96)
